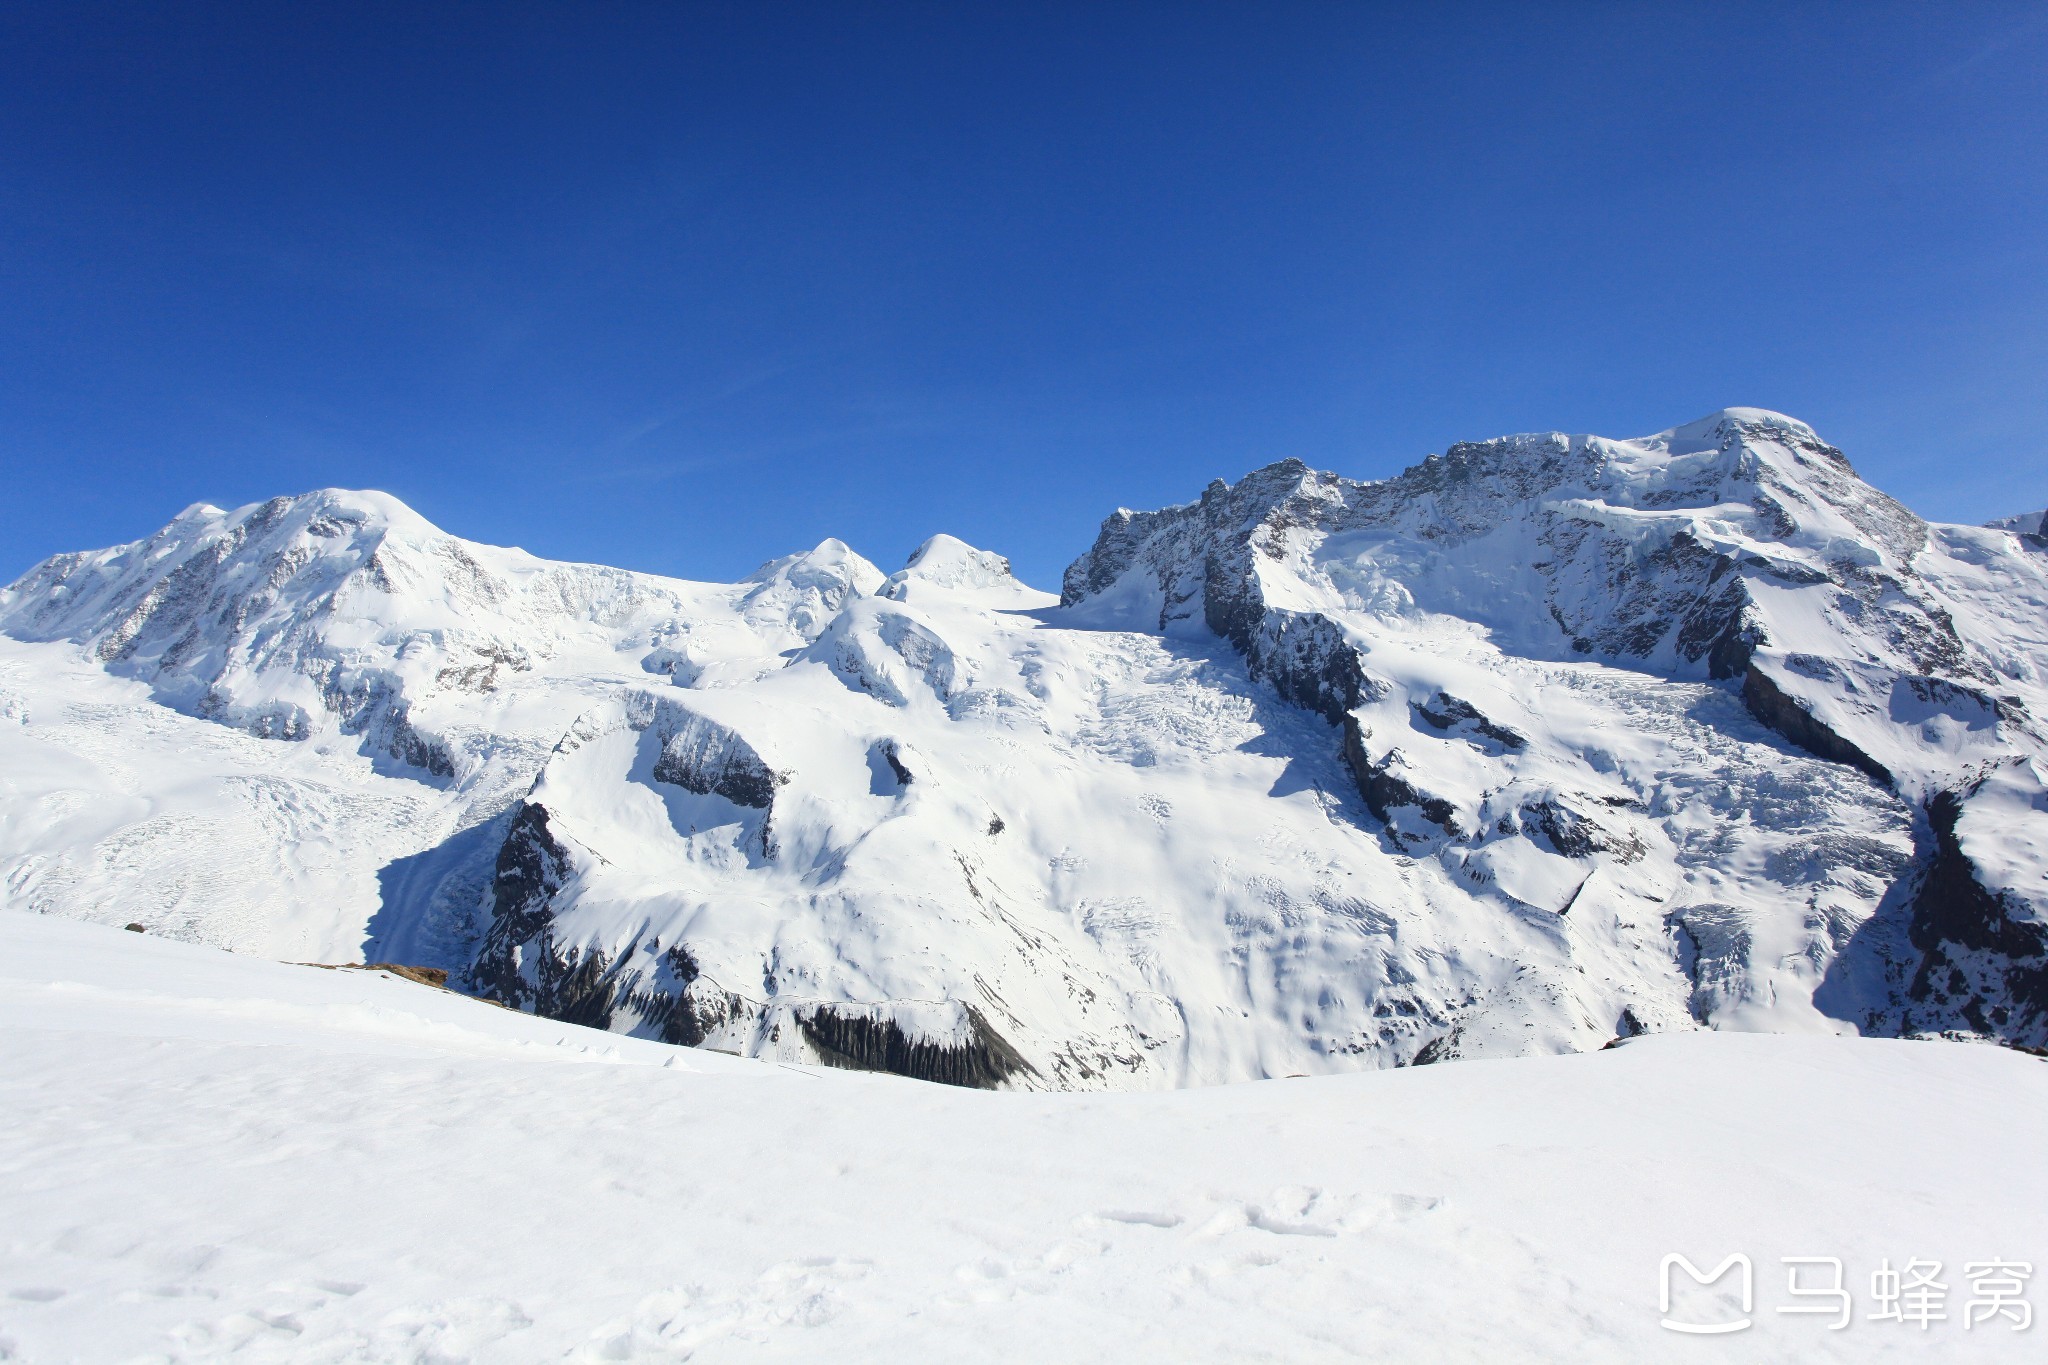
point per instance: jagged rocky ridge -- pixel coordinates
(1546, 740)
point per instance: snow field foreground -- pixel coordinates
(206, 1157)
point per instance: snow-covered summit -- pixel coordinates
(1427, 616)
(2026, 523)
(1544, 740)
(804, 591)
(1714, 548)
(948, 565)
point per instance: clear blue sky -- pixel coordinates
(684, 286)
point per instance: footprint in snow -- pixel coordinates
(1136, 1218)
(673, 1323)
(1291, 1211)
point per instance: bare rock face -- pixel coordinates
(871, 1038)
(1984, 951)
(1770, 704)
(705, 757)
(532, 868)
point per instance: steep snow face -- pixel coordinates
(1547, 740)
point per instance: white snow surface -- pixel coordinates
(212, 1157)
(943, 804)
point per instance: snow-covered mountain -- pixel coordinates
(1546, 740)
(2026, 523)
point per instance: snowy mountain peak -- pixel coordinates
(947, 564)
(830, 557)
(804, 591)
(1544, 740)
(1714, 427)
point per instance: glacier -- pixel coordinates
(1544, 742)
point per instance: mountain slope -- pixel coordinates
(1545, 740)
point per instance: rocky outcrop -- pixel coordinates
(532, 867)
(1307, 660)
(1983, 958)
(1780, 711)
(700, 755)
(872, 1038)
(682, 1006)
(523, 964)
(1386, 790)
(889, 773)
(1453, 715)
(1575, 834)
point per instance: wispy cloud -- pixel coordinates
(2016, 36)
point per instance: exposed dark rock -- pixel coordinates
(1976, 946)
(1443, 1048)
(532, 866)
(1577, 835)
(888, 772)
(1446, 712)
(894, 758)
(869, 1039)
(1785, 714)
(705, 757)
(371, 705)
(686, 1007)
(575, 984)
(1307, 660)
(1384, 790)
(523, 965)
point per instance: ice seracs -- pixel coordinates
(1545, 740)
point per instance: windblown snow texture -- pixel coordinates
(215, 1158)
(1546, 740)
